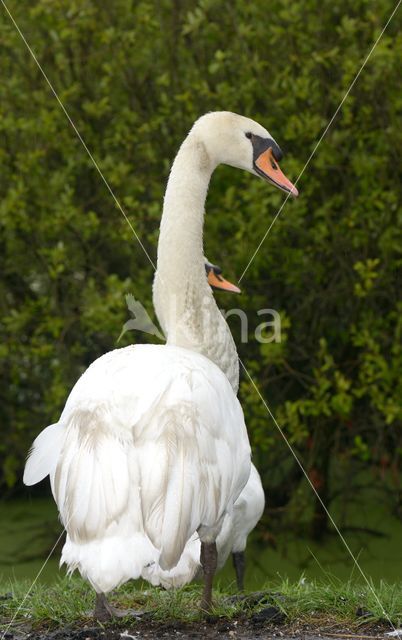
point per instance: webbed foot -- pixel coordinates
(104, 611)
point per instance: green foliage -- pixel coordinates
(133, 77)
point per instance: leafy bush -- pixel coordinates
(133, 77)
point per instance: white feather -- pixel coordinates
(232, 538)
(154, 447)
(43, 455)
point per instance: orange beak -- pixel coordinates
(217, 282)
(267, 167)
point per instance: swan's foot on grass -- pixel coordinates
(104, 611)
(209, 562)
(239, 563)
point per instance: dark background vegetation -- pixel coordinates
(134, 76)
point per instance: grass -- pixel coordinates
(69, 601)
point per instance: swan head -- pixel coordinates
(242, 143)
(216, 280)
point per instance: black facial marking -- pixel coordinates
(212, 267)
(262, 144)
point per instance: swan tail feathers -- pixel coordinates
(109, 562)
(44, 453)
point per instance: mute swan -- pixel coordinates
(247, 509)
(151, 445)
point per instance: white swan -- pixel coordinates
(151, 445)
(249, 506)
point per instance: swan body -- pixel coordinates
(151, 445)
(146, 454)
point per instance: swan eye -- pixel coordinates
(248, 135)
(274, 166)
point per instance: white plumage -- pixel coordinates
(232, 538)
(150, 447)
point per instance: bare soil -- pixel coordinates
(254, 628)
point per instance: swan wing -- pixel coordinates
(44, 453)
(194, 456)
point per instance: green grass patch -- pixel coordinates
(348, 602)
(70, 601)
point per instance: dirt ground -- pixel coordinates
(255, 628)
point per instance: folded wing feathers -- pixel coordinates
(92, 482)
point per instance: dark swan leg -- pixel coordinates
(239, 563)
(104, 611)
(209, 562)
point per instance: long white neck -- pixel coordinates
(183, 299)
